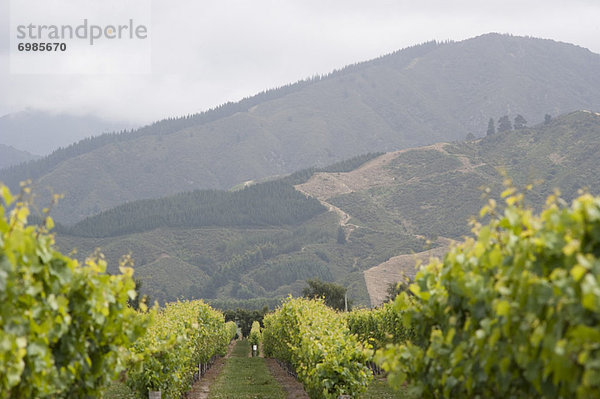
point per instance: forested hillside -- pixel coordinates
(386, 206)
(266, 204)
(428, 93)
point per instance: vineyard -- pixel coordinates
(180, 341)
(68, 330)
(512, 312)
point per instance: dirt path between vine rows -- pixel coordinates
(292, 387)
(201, 388)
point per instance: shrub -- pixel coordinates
(255, 335)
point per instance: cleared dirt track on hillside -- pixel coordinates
(325, 185)
(397, 269)
(376, 173)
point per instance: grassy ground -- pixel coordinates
(245, 377)
(118, 390)
(379, 389)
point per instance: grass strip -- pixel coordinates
(245, 377)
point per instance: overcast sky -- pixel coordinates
(206, 52)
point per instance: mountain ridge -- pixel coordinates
(10, 156)
(417, 96)
(42, 132)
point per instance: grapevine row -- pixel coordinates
(314, 339)
(180, 337)
(64, 327)
(514, 312)
(377, 327)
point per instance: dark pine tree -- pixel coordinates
(504, 124)
(491, 127)
(520, 122)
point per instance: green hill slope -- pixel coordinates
(421, 95)
(433, 190)
(385, 207)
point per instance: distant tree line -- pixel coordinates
(244, 318)
(505, 125)
(257, 304)
(265, 204)
(333, 294)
